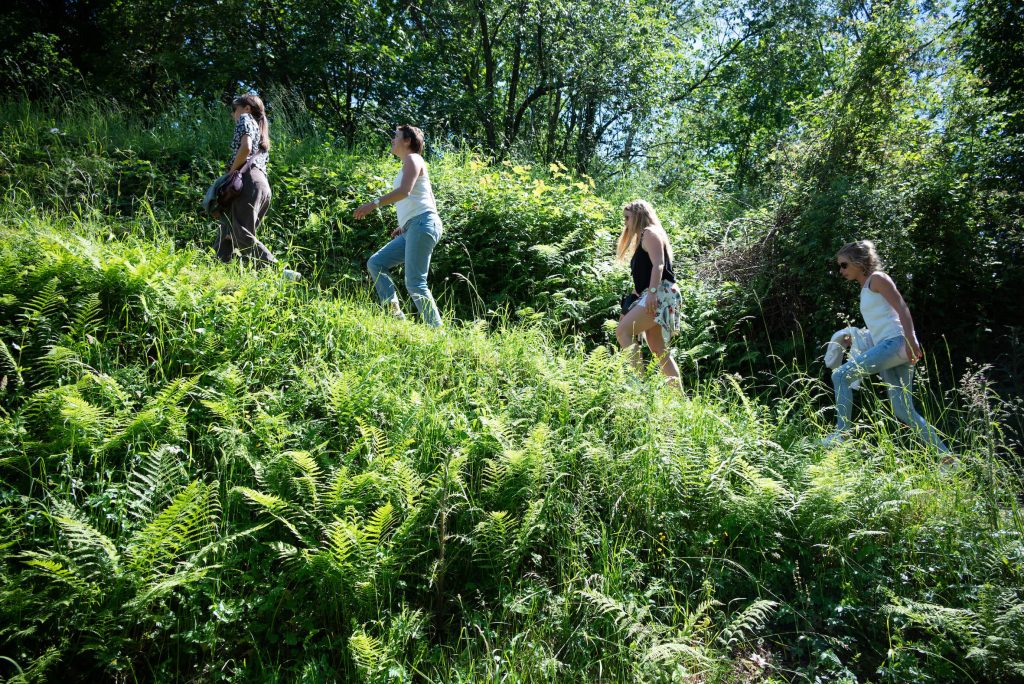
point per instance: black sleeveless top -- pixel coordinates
(640, 266)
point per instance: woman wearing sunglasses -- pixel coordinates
(896, 347)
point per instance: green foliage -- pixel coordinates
(213, 469)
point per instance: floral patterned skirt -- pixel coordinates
(668, 313)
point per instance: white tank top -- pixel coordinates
(420, 199)
(880, 318)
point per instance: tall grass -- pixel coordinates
(211, 472)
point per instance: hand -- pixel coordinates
(914, 351)
(364, 211)
(846, 341)
(651, 303)
(397, 231)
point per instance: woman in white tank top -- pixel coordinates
(896, 347)
(419, 229)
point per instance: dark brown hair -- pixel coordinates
(259, 113)
(414, 136)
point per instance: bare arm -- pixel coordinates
(411, 169)
(654, 243)
(883, 285)
(244, 148)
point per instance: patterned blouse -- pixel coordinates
(247, 126)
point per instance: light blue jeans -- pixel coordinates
(413, 248)
(886, 360)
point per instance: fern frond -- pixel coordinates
(62, 362)
(497, 428)
(166, 584)
(44, 303)
(628, 625)
(59, 569)
(87, 317)
(373, 439)
(308, 481)
(219, 546)
(93, 552)
(410, 484)
(10, 376)
(748, 622)
(676, 651)
(376, 528)
(693, 617)
(277, 507)
(343, 547)
(367, 652)
(293, 558)
(152, 482)
(186, 524)
(91, 422)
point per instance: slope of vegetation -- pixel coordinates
(208, 472)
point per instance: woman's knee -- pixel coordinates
(902, 405)
(416, 284)
(623, 335)
(840, 376)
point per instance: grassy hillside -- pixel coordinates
(208, 473)
(212, 474)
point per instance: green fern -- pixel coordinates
(10, 376)
(307, 482)
(94, 553)
(187, 524)
(367, 652)
(747, 623)
(281, 510)
(45, 303)
(86, 318)
(160, 473)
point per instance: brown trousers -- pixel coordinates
(238, 224)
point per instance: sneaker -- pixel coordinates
(949, 465)
(289, 274)
(834, 438)
(395, 309)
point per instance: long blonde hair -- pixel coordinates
(637, 215)
(862, 253)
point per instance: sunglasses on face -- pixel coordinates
(843, 265)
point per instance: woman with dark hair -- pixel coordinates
(250, 150)
(419, 229)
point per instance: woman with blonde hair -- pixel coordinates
(896, 348)
(656, 314)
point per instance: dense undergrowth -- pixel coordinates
(207, 473)
(519, 240)
(210, 473)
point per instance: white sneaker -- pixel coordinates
(834, 438)
(289, 274)
(949, 465)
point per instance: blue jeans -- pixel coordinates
(413, 248)
(886, 360)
